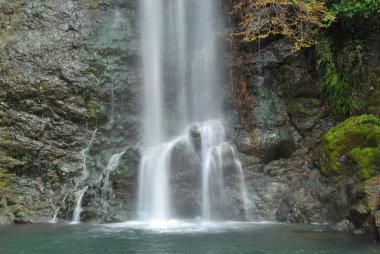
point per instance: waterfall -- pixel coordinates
(85, 173)
(188, 169)
(78, 208)
(113, 163)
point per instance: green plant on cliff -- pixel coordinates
(349, 9)
(343, 54)
(352, 148)
(4, 178)
(341, 72)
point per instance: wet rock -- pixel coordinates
(3, 203)
(358, 214)
(343, 226)
(279, 191)
(195, 137)
(275, 168)
(248, 161)
(273, 55)
(5, 220)
(244, 142)
(283, 210)
(273, 144)
(58, 61)
(185, 180)
(21, 217)
(377, 221)
(304, 112)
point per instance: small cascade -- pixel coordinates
(54, 219)
(154, 194)
(84, 155)
(112, 113)
(113, 163)
(85, 173)
(248, 208)
(222, 176)
(217, 176)
(78, 208)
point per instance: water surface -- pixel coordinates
(180, 237)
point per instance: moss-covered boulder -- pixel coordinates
(352, 149)
(350, 155)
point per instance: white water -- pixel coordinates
(84, 155)
(54, 219)
(113, 163)
(85, 173)
(186, 226)
(78, 208)
(182, 87)
(154, 182)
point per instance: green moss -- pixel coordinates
(10, 163)
(6, 163)
(122, 174)
(352, 148)
(94, 4)
(302, 107)
(4, 179)
(365, 159)
(92, 109)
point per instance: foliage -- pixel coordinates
(352, 148)
(298, 20)
(341, 72)
(354, 8)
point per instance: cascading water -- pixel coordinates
(85, 173)
(188, 170)
(113, 163)
(78, 207)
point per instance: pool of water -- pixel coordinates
(180, 237)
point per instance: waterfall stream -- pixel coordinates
(85, 173)
(188, 169)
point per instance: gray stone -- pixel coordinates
(273, 144)
(343, 226)
(3, 203)
(5, 220)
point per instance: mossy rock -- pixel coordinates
(304, 112)
(8, 164)
(372, 191)
(4, 179)
(352, 148)
(91, 4)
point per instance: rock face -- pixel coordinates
(279, 137)
(66, 69)
(291, 175)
